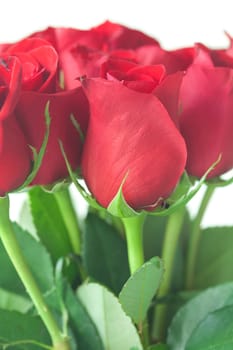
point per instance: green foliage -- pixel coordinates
(215, 332)
(140, 288)
(153, 238)
(105, 253)
(190, 316)
(215, 259)
(115, 328)
(37, 258)
(80, 321)
(158, 347)
(22, 331)
(49, 223)
(12, 301)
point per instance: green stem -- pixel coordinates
(171, 239)
(195, 236)
(134, 237)
(133, 231)
(69, 216)
(14, 252)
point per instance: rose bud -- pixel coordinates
(15, 154)
(131, 140)
(206, 120)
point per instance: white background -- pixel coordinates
(174, 23)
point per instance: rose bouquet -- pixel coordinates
(138, 130)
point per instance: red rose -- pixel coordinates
(130, 135)
(173, 60)
(14, 151)
(206, 120)
(81, 52)
(30, 113)
(39, 62)
(149, 79)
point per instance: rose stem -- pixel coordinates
(134, 237)
(70, 218)
(133, 231)
(14, 252)
(171, 239)
(195, 236)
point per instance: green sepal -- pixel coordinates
(220, 182)
(184, 192)
(77, 127)
(119, 207)
(90, 200)
(182, 188)
(56, 186)
(38, 157)
(185, 197)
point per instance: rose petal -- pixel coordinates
(206, 120)
(130, 134)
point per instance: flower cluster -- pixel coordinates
(147, 114)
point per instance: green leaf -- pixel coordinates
(215, 332)
(215, 260)
(153, 235)
(11, 301)
(109, 263)
(25, 219)
(192, 313)
(38, 259)
(16, 327)
(140, 288)
(158, 347)
(80, 322)
(49, 223)
(116, 329)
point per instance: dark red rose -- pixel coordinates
(206, 120)
(39, 62)
(130, 136)
(15, 154)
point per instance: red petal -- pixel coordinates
(130, 133)
(206, 121)
(15, 156)
(168, 92)
(30, 113)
